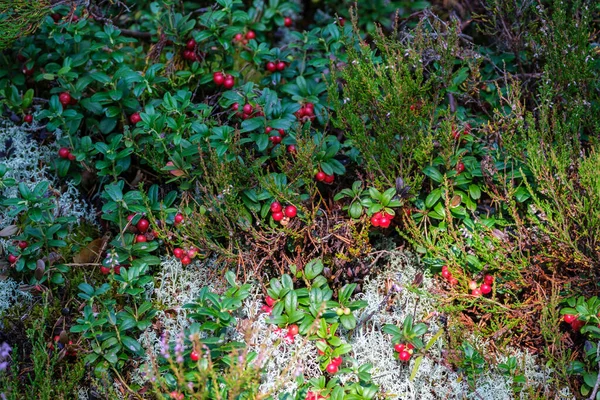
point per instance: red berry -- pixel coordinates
(375, 220)
(446, 274)
(329, 179)
(291, 148)
(27, 71)
(569, 318)
(310, 107)
(485, 288)
(140, 239)
(280, 65)
(290, 211)
(192, 252)
(270, 301)
(332, 368)
(28, 118)
(271, 67)
(577, 325)
(453, 281)
(117, 269)
(194, 356)
(177, 252)
(104, 270)
(399, 347)
(277, 216)
(472, 285)
(64, 98)
(218, 78)
(404, 355)
(185, 260)
(281, 131)
(12, 258)
(71, 157)
(247, 109)
(444, 268)
(23, 245)
(384, 221)
(342, 21)
(189, 55)
(178, 219)
(191, 44)
(287, 21)
(135, 118)
(293, 329)
(489, 279)
(275, 139)
(250, 35)
(320, 176)
(460, 167)
(143, 225)
(238, 37)
(276, 207)
(266, 309)
(476, 292)
(229, 82)
(268, 130)
(235, 106)
(64, 152)
(337, 361)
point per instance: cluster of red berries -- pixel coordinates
(268, 307)
(66, 154)
(484, 288)
(306, 112)
(185, 256)
(283, 215)
(190, 51)
(447, 275)
(274, 66)
(323, 177)
(334, 365)
(275, 136)
(403, 351)
(456, 134)
(106, 270)
(248, 111)
(13, 258)
(135, 118)
(574, 321)
(244, 39)
(221, 79)
(66, 99)
(142, 230)
(288, 334)
(382, 219)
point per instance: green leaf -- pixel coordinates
(433, 173)
(475, 191)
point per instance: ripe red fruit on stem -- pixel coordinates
(399, 347)
(489, 279)
(191, 44)
(485, 288)
(375, 220)
(453, 281)
(277, 216)
(460, 167)
(28, 118)
(238, 37)
(229, 82)
(64, 98)
(320, 176)
(117, 269)
(332, 368)
(337, 361)
(329, 179)
(472, 285)
(250, 35)
(266, 309)
(287, 21)
(577, 325)
(178, 219)
(186, 260)
(177, 252)
(63, 152)
(270, 301)
(12, 258)
(143, 225)
(218, 78)
(135, 118)
(446, 274)
(23, 245)
(71, 157)
(247, 109)
(271, 67)
(280, 65)
(291, 148)
(293, 329)
(290, 211)
(140, 239)
(404, 355)
(276, 207)
(384, 221)
(569, 318)
(194, 356)
(476, 292)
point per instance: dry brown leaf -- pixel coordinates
(90, 253)
(10, 230)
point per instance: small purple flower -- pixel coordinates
(5, 351)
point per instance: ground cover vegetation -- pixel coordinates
(299, 200)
